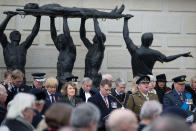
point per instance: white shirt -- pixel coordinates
(87, 96)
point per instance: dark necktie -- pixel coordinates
(53, 101)
(181, 97)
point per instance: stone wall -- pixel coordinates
(172, 22)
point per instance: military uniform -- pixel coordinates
(181, 100)
(173, 99)
(136, 101)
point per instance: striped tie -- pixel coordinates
(106, 103)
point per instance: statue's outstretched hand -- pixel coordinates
(188, 54)
(128, 16)
(10, 13)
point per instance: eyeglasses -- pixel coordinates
(108, 90)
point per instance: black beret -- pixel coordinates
(144, 78)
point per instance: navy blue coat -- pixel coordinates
(99, 102)
(173, 99)
(48, 102)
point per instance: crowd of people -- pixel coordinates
(148, 105)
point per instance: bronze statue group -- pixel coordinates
(143, 59)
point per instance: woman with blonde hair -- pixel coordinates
(69, 93)
(191, 88)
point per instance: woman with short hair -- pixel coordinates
(69, 92)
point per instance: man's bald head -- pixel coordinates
(122, 120)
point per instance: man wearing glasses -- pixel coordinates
(105, 102)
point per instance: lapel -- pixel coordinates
(47, 97)
(142, 98)
(178, 97)
(102, 102)
(184, 94)
(109, 100)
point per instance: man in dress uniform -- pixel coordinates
(137, 99)
(119, 92)
(38, 80)
(178, 97)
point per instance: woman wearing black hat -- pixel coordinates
(161, 87)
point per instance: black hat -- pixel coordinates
(143, 79)
(38, 93)
(161, 78)
(39, 76)
(72, 78)
(180, 79)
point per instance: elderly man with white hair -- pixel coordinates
(20, 113)
(86, 90)
(107, 76)
(150, 110)
(122, 120)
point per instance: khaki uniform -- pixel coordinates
(136, 101)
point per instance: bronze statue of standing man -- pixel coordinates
(15, 53)
(66, 48)
(144, 58)
(95, 54)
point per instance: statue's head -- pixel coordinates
(147, 39)
(31, 6)
(103, 38)
(15, 36)
(61, 40)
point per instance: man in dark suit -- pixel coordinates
(103, 100)
(52, 96)
(85, 91)
(178, 97)
(16, 85)
(3, 97)
(38, 80)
